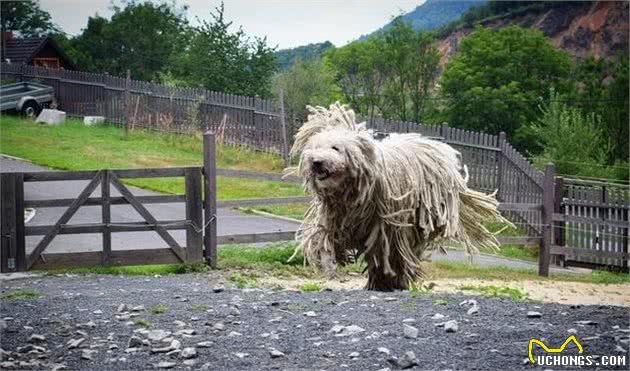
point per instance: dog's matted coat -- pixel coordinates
(392, 202)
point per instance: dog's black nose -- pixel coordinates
(317, 166)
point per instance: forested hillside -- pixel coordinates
(286, 57)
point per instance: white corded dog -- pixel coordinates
(391, 202)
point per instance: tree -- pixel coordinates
(496, 80)
(305, 83)
(574, 140)
(221, 60)
(25, 18)
(141, 37)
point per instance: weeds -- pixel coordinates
(515, 295)
(310, 287)
(21, 295)
(142, 323)
(158, 309)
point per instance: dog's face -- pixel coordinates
(332, 157)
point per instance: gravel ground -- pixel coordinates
(93, 322)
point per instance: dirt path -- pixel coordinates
(559, 292)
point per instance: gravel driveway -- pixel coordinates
(95, 322)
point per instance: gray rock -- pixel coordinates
(190, 362)
(157, 335)
(51, 117)
(310, 314)
(354, 355)
(234, 333)
(451, 326)
(218, 289)
(87, 354)
(205, 344)
(165, 364)
(36, 338)
(473, 310)
(134, 342)
(138, 308)
(410, 332)
(437, 316)
(409, 320)
(383, 350)
(408, 360)
(75, 343)
(188, 352)
(275, 353)
(179, 323)
(390, 298)
(342, 331)
(241, 355)
(122, 308)
(93, 120)
(218, 326)
(533, 314)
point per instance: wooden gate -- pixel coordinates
(198, 233)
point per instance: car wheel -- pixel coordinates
(31, 109)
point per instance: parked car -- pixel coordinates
(28, 98)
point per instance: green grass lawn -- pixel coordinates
(74, 146)
(273, 259)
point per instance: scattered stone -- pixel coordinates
(218, 326)
(310, 314)
(354, 355)
(187, 332)
(188, 352)
(342, 331)
(275, 353)
(218, 289)
(473, 310)
(122, 308)
(165, 364)
(390, 298)
(190, 362)
(98, 311)
(409, 320)
(138, 308)
(157, 335)
(58, 366)
(572, 331)
(36, 338)
(205, 344)
(408, 360)
(451, 326)
(234, 333)
(533, 314)
(437, 316)
(241, 355)
(410, 332)
(383, 350)
(75, 343)
(587, 322)
(134, 342)
(87, 354)
(179, 323)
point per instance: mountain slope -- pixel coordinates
(432, 14)
(286, 57)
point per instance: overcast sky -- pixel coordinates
(287, 23)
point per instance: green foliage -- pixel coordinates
(310, 287)
(391, 75)
(141, 37)
(305, 53)
(305, 83)
(21, 295)
(572, 138)
(244, 280)
(491, 84)
(158, 309)
(221, 60)
(142, 323)
(440, 302)
(199, 307)
(25, 18)
(497, 292)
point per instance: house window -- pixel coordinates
(46, 62)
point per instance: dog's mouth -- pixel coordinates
(321, 174)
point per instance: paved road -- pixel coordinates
(229, 221)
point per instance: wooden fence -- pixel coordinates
(200, 236)
(493, 163)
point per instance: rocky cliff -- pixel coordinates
(592, 28)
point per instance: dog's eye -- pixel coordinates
(335, 148)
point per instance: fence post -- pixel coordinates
(12, 246)
(194, 239)
(210, 198)
(127, 103)
(285, 144)
(559, 226)
(106, 219)
(547, 216)
(501, 165)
